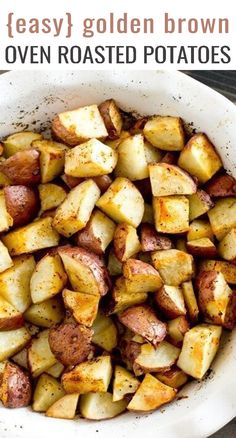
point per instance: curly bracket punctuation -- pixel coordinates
(54, 26)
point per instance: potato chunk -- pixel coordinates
(15, 389)
(131, 150)
(22, 168)
(190, 301)
(52, 158)
(165, 133)
(10, 318)
(122, 202)
(86, 271)
(32, 237)
(174, 266)
(40, 356)
(200, 158)
(141, 277)
(48, 390)
(203, 247)
(227, 246)
(199, 349)
(223, 217)
(173, 377)
(90, 376)
(124, 383)
(12, 341)
(77, 126)
(105, 332)
(45, 314)
(199, 204)
(126, 242)
(75, 211)
(100, 406)
(97, 234)
(122, 299)
(177, 328)
(221, 186)
(150, 395)
(84, 307)
(64, 408)
(151, 241)
(5, 259)
(228, 269)
(48, 278)
(6, 221)
(171, 301)
(199, 229)
(15, 282)
(19, 142)
(167, 179)
(161, 358)
(21, 203)
(171, 214)
(112, 118)
(51, 196)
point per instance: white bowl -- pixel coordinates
(29, 100)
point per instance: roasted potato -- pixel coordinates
(199, 229)
(6, 221)
(75, 211)
(55, 370)
(173, 377)
(48, 390)
(21, 358)
(124, 383)
(122, 202)
(203, 247)
(142, 320)
(151, 241)
(226, 268)
(104, 332)
(177, 328)
(160, 358)
(170, 158)
(15, 282)
(115, 143)
(13, 341)
(90, 376)
(45, 314)
(19, 142)
(48, 278)
(32, 237)
(70, 343)
(190, 301)
(114, 266)
(141, 277)
(168, 179)
(84, 307)
(100, 406)
(214, 296)
(15, 389)
(22, 168)
(150, 395)
(64, 408)
(5, 259)
(112, 118)
(223, 217)
(52, 158)
(199, 349)
(221, 186)
(126, 242)
(227, 246)
(21, 203)
(40, 356)
(97, 234)
(77, 126)
(171, 214)
(132, 150)
(10, 318)
(170, 300)
(86, 271)
(121, 299)
(199, 204)
(71, 181)
(89, 159)
(51, 196)
(174, 266)
(200, 158)
(165, 133)
(152, 153)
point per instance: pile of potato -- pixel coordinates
(117, 262)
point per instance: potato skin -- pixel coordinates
(166, 305)
(22, 204)
(143, 321)
(169, 158)
(103, 182)
(151, 241)
(12, 323)
(106, 108)
(70, 343)
(60, 133)
(23, 168)
(221, 186)
(230, 317)
(15, 391)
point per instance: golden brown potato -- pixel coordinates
(227, 246)
(105, 332)
(45, 314)
(176, 329)
(19, 142)
(47, 391)
(199, 229)
(86, 271)
(22, 204)
(223, 217)
(171, 214)
(190, 301)
(141, 319)
(32, 237)
(152, 153)
(141, 277)
(174, 266)
(6, 221)
(199, 349)
(52, 158)
(214, 296)
(165, 133)
(15, 389)
(114, 266)
(203, 247)
(51, 196)
(199, 204)
(121, 299)
(226, 268)
(56, 370)
(100, 406)
(221, 186)
(84, 307)
(171, 301)
(200, 158)
(173, 377)
(10, 318)
(150, 395)
(132, 150)
(126, 242)
(122, 202)
(5, 259)
(151, 241)
(21, 358)
(64, 408)
(115, 143)
(112, 118)
(90, 376)
(22, 168)
(12, 341)
(168, 179)
(124, 383)
(159, 358)
(75, 211)
(40, 356)
(97, 234)
(77, 126)
(70, 343)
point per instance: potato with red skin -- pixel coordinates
(142, 320)
(230, 315)
(151, 241)
(23, 168)
(10, 317)
(170, 301)
(126, 242)
(71, 181)
(112, 118)
(141, 276)
(22, 204)
(70, 343)
(176, 330)
(203, 247)
(169, 158)
(129, 350)
(103, 182)
(221, 186)
(15, 390)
